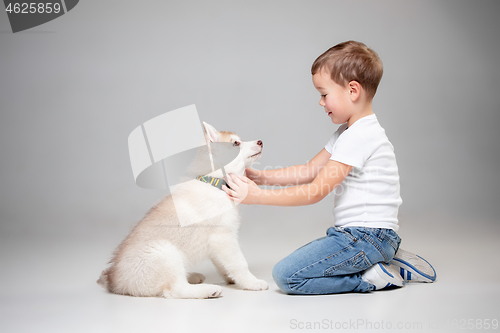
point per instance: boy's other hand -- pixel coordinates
(243, 190)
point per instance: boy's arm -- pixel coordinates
(292, 175)
(245, 191)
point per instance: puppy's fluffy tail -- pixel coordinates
(103, 279)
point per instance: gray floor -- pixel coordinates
(48, 285)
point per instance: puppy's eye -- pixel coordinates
(236, 144)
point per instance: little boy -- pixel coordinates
(360, 253)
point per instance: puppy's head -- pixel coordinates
(249, 151)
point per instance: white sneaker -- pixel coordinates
(383, 275)
(413, 268)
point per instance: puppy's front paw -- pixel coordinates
(255, 285)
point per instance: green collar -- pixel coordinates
(214, 181)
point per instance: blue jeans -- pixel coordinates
(332, 264)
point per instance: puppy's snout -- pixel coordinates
(260, 143)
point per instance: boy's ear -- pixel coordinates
(354, 90)
(210, 132)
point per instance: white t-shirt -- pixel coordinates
(369, 195)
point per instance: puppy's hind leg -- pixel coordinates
(185, 290)
(179, 287)
(196, 278)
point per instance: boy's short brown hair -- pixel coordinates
(351, 61)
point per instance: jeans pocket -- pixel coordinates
(355, 264)
(347, 233)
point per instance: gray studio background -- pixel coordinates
(73, 89)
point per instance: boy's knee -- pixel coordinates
(280, 276)
(277, 272)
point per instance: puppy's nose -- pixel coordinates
(259, 143)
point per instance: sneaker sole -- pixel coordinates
(422, 269)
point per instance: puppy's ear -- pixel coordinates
(210, 132)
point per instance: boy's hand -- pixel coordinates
(243, 190)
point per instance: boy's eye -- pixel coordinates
(323, 95)
(236, 144)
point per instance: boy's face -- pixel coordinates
(334, 97)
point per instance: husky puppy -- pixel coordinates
(155, 259)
